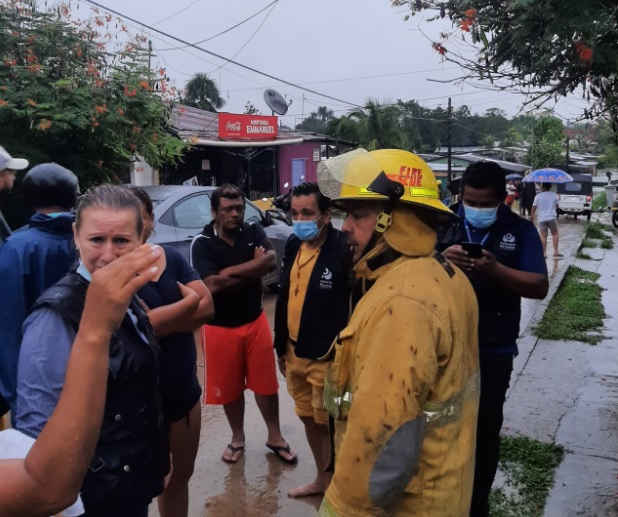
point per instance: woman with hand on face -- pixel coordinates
(131, 456)
(48, 480)
(178, 303)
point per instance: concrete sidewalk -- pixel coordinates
(567, 392)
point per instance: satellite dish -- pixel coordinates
(276, 102)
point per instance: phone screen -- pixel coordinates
(474, 249)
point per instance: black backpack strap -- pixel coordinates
(445, 264)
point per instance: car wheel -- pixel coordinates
(615, 219)
(588, 215)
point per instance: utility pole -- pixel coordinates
(568, 141)
(303, 108)
(149, 55)
(449, 127)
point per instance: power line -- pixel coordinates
(363, 77)
(250, 39)
(219, 56)
(225, 31)
(178, 12)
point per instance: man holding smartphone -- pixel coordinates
(502, 255)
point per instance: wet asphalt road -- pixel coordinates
(257, 485)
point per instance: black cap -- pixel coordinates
(50, 184)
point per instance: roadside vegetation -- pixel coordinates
(596, 231)
(576, 311)
(528, 467)
(599, 202)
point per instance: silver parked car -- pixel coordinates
(181, 212)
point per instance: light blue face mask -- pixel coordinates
(481, 218)
(306, 230)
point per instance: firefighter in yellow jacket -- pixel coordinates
(403, 384)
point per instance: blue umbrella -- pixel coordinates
(513, 176)
(548, 176)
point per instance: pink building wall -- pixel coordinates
(304, 151)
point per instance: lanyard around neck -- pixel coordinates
(483, 240)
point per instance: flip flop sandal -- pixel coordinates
(278, 449)
(240, 448)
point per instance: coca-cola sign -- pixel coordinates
(249, 127)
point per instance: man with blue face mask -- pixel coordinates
(312, 308)
(510, 265)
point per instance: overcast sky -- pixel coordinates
(330, 46)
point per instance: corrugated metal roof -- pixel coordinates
(473, 158)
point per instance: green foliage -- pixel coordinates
(546, 47)
(65, 98)
(596, 230)
(576, 311)
(250, 109)
(317, 121)
(378, 126)
(343, 128)
(512, 138)
(589, 243)
(425, 129)
(599, 202)
(529, 467)
(547, 142)
(202, 92)
(581, 254)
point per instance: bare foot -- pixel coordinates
(314, 488)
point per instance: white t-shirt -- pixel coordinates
(15, 445)
(545, 203)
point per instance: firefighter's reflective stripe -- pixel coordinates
(439, 414)
(327, 510)
(336, 402)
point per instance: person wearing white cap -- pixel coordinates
(8, 166)
(33, 260)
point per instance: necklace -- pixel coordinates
(299, 266)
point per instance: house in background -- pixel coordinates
(461, 161)
(250, 151)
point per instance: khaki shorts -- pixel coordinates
(551, 225)
(305, 381)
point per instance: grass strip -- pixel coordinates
(528, 466)
(589, 243)
(599, 202)
(576, 312)
(596, 230)
(581, 254)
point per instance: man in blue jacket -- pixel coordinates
(311, 309)
(502, 255)
(34, 259)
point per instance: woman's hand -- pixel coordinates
(189, 296)
(113, 286)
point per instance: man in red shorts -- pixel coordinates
(232, 256)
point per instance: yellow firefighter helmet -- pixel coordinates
(384, 175)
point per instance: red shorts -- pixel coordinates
(236, 359)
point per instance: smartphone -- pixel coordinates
(474, 249)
